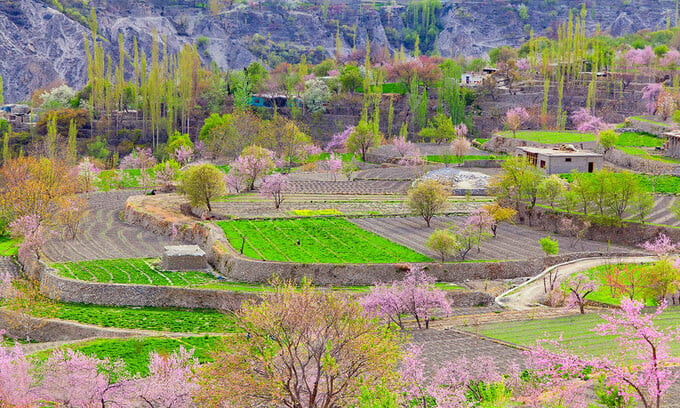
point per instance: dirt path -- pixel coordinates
(527, 295)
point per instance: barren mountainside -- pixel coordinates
(40, 44)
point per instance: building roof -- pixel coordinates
(559, 152)
(672, 133)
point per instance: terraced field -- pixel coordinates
(140, 318)
(576, 332)
(314, 240)
(513, 242)
(104, 236)
(131, 271)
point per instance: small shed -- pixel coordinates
(184, 258)
(672, 145)
(562, 160)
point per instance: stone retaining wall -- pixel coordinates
(232, 265)
(640, 164)
(112, 294)
(648, 127)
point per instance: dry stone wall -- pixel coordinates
(235, 267)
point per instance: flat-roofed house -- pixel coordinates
(562, 160)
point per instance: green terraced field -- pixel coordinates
(131, 271)
(663, 184)
(576, 332)
(142, 318)
(135, 352)
(604, 294)
(322, 240)
(542, 136)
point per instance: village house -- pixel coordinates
(16, 114)
(562, 160)
(672, 145)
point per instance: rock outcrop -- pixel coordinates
(39, 44)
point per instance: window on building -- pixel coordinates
(568, 159)
(542, 164)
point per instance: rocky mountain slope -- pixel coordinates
(39, 44)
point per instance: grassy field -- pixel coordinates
(131, 179)
(639, 140)
(9, 246)
(605, 295)
(346, 157)
(641, 119)
(135, 352)
(454, 159)
(315, 213)
(576, 332)
(548, 137)
(142, 318)
(322, 240)
(131, 271)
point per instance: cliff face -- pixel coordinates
(39, 44)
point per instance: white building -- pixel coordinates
(562, 160)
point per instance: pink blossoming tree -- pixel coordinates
(183, 154)
(415, 296)
(274, 186)
(334, 164)
(339, 140)
(586, 122)
(34, 234)
(514, 118)
(253, 162)
(643, 369)
(650, 94)
(661, 246)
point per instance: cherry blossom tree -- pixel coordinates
(412, 372)
(643, 369)
(16, 378)
(661, 246)
(586, 122)
(514, 118)
(415, 295)
(34, 234)
(274, 186)
(88, 171)
(480, 220)
(579, 287)
(639, 57)
(461, 130)
(253, 162)
(334, 164)
(650, 94)
(459, 147)
(671, 59)
(183, 154)
(339, 140)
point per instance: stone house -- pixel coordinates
(562, 160)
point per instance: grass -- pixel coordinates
(141, 318)
(576, 332)
(641, 119)
(131, 179)
(634, 139)
(9, 246)
(313, 213)
(135, 352)
(660, 184)
(548, 137)
(454, 159)
(322, 240)
(130, 271)
(346, 157)
(603, 293)
(390, 87)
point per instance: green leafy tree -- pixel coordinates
(441, 130)
(518, 182)
(202, 183)
(549, 246)
(71, 146)
(362, 138)
(443, 242)
(351, 78)
(316, 95)
(607, 139)
(427, 198)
